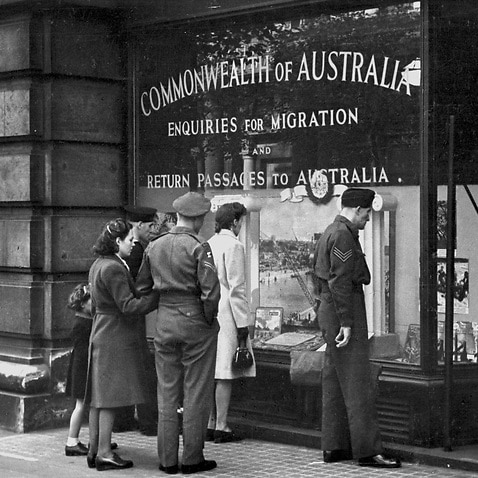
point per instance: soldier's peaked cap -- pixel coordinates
(138, 213)
(354, 197)
(192, 204)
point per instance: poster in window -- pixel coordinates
(442, 224)
(268, 322)
(460, 286)
(412, 344)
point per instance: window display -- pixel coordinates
(465, 323)
(292, 111)
(283, 106)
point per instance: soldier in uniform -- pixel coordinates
(179, 265)
(349, 422)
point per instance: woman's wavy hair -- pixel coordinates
(226, 214)
(79, 296)
(106, 245)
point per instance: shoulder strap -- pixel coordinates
(160, 235)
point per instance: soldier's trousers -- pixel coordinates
(349, 419)
(185, 348)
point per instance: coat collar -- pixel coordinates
(82, 315)
(227, 232)
(182, 230)
(116, 258)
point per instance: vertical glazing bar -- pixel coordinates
(450, 278)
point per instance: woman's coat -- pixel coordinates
(229, 258)
(115, 371)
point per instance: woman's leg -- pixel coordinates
(94, 427)
(106, 459)
(76, 420)
(223, 399)
(106, 420)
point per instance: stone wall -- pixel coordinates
(62, 175)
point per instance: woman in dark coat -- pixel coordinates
(115, 367)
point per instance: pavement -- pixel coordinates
(41, 455)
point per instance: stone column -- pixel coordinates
(62, 164)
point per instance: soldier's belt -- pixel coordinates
(179, 299)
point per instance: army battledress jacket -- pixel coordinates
(179, 265)
(341, 268)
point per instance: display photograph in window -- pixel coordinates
(460, 286)
(286, 249)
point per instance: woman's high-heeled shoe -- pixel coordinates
(116, 462)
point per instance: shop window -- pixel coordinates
(453, 94)
(285, 113)
(465, 321)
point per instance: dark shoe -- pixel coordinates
(91, 461)
(333, 456)
(78, 450)
(380, 461)
(203, 466)
(170, 470)
(225, 437)
(210, 434)
(112, 463)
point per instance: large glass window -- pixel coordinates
(290, 111)
(455, 115)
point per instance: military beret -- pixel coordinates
(192, 204)
(137, 213)
(354, 197)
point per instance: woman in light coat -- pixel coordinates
(233, 315)
(115, 371)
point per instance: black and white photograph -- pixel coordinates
(195, 194)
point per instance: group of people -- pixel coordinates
(198, 290)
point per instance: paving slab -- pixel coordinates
(41, 454)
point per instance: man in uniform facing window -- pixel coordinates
(349, 422)
(180, 266)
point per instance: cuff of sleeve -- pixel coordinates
(345, 322)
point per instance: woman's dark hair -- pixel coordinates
(106, 245)
(79, 296)
(226, 214)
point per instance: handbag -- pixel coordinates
(242, 357)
